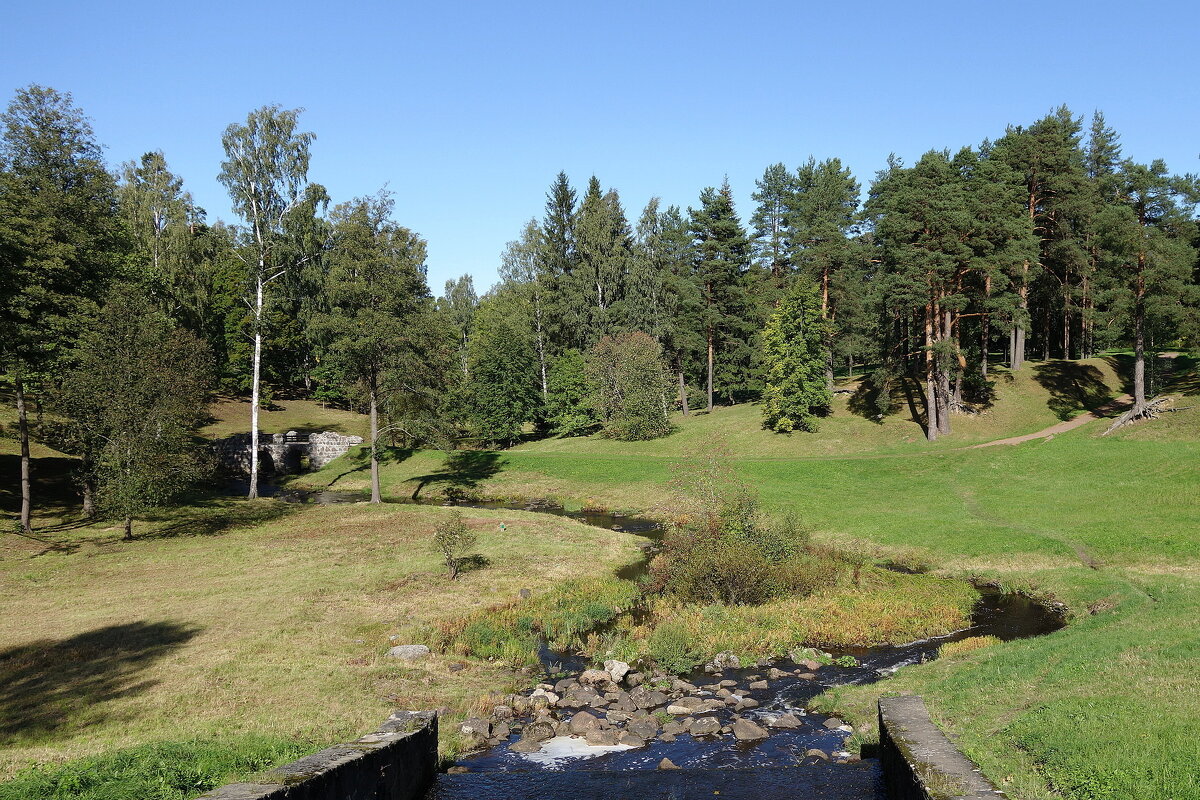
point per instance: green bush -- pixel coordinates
(158, 771)
(672, 648)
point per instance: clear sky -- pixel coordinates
(466, 111)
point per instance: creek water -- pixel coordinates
(710, 767)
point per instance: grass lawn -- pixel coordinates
(233, 612)
(232, 619)
(1106, 708)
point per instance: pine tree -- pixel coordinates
(1149, 258)
(377, 307)
(771, 221)
(794, 360)
(521, 266)
(602, 243)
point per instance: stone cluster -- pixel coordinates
(620, 706)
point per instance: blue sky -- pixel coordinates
(466, 111)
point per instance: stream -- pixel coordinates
(709, 766)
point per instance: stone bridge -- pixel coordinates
(283, 453)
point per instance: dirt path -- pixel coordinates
(1114, 405)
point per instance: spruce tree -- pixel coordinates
(721, 261)
(794, 360)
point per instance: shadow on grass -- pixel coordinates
(52, 482)
(1073, 387)
(211, 517)
(463, 471)
(359, 460)
(44, 684)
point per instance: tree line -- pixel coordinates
(1045, 242)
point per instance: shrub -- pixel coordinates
(672, 648)
(453, 538)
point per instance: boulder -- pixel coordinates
(809, 665)
(647, 698)
(644, 728)
(634, 679)
(785, 721)
(686, 705)
(539, 731)
(500, 730)
(725, 660)
(776, 674)
(594, 677)
(616, 670)
(728, 684)
(747, 702)
(526, 746)
(476, 728)
(583, 722)
(617, 717)
(457, 770)
(705, 726)
(604, 738)
(565, 685)
(806, 676)
(757, 685)
(815, 753)
(666, 763)
(502, 712)
(408, 652)
(666, 737)
(833, 723)
(747, 731)
(630, 740)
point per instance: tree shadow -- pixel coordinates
(45, 684)
(472, 562)
(1073, 387)
(463, 471)
(359, 460)
(211, 518)
(1122, 364)
(52, 482)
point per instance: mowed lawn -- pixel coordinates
(272, 620)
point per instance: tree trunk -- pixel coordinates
(89, 491)
(943, 377)
(1018, 347)
(129, 529)
(376, 497)
(931, 405)
(1139, 339)
(710, 371)
(985, 329)
(255, 374)
(683, 398)
(23, 433)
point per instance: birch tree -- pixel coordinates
(266, 173)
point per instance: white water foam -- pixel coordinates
(565, 748)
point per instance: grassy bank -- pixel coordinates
(1105, 708)
(230, 630)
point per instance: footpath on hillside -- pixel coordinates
(1106, 410)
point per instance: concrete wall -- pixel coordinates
(282, 454)
(397, 762)
(919, 762)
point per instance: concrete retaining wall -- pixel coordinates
(919, 762)
(397, 762)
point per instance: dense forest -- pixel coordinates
(122, 306)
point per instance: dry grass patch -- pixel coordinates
(277, 627)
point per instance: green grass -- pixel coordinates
(1105, 708)
(157, 771)
(234, 612)
(230, 416)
